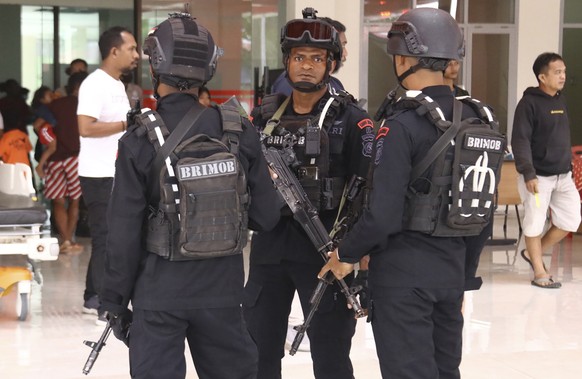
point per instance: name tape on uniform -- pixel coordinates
(207, 169)
(474, 142)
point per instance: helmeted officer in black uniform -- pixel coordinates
(194, 300)
(284, 260)
(416, 280)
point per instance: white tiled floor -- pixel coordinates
(513, 330)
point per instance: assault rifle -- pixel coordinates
(306, 215)
(96, 349)
(133, 113)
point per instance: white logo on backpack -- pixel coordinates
(480, 171)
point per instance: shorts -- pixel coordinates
(556, 193)
(62, 179)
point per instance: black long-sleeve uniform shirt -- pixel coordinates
(350, 141)
(154, 283)
(540, 139)
(403, 258)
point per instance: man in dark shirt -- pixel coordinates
(173, 301)
(416, 279)
(62, 183)
(542, 150)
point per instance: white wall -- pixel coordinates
(538, 23)
(351, 14)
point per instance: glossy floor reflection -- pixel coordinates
(512, 331)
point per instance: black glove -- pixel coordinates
(361, 280)
(120, 325)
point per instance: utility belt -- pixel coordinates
(324, 193)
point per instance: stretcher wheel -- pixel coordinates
(22, 306)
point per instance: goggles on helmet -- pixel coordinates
(308, 30)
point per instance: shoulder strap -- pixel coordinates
(153, 126)
(274, 120)
(482, 110)
(440, 144)
(333, 108)
(166, 147)
(231, 126)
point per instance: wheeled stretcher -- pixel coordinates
(23, 231)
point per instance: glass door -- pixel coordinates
(489, 77)
(77, 32)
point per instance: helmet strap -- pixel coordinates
(407, 73)
(155, 84)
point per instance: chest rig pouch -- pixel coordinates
(307, 137)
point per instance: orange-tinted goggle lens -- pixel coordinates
(318, 31)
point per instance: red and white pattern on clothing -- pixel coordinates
(577, 167)
(63, 179)
(46, 134)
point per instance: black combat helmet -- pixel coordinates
(426, 32)
(182, 52)
(313, 32)
(431, 35)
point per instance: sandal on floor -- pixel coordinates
(76, 248)
(64, 247)
(522, 252)
(70, 248)
(546, 283)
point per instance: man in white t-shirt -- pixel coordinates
(101, 113)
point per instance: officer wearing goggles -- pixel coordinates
(332, 142)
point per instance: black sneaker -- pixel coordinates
(91, 305)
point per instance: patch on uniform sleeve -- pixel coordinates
(365, 123)
(379, 147)
(367, 144)
(382, 132)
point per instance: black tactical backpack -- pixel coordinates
(466, 161)
(202, 186)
